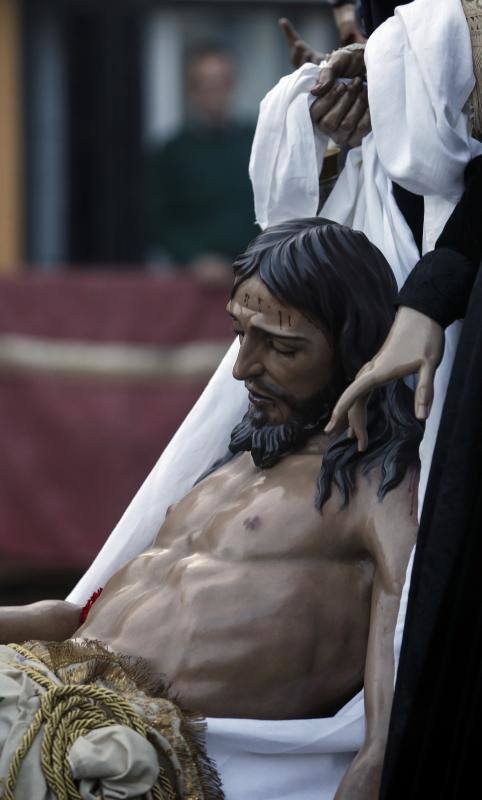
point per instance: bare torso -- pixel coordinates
(252, 603)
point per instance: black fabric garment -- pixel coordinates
(412, 207)
(371, 13)
(440, 284)
(433, 744)
(433, 741)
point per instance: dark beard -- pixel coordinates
(269, 443)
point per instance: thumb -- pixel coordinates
(340, 63)
(337, 66)
(424, 391)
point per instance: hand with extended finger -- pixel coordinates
(341, 109)
(300, 51)
(415, 344)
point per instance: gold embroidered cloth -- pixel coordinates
(187, 773)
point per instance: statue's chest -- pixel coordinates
(242, 513)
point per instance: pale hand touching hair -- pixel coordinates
(415, 344)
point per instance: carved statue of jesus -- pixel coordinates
(272, 589)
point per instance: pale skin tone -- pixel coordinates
(414, 345)
(251, 601)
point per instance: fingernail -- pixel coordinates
(340, 88)
(329, 427)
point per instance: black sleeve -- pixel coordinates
(440, 284)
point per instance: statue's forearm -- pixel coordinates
(49, 620)
(379, 666)
(363, 777)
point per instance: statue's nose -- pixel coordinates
(248, 363)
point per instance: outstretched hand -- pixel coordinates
(415, 344)
(300, 51)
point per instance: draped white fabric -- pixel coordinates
(420, 76)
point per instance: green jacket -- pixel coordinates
(200, 197)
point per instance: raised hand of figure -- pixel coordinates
(300, 51)
(341, 109)
(415, 343)
(348, 29)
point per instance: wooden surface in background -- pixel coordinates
(10, 136)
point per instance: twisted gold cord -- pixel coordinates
(67, 712)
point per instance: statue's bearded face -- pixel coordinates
(285, 360)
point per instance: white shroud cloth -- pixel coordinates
(419, 76)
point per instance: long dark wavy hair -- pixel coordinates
(342, 283)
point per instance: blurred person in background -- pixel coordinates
(200, 199)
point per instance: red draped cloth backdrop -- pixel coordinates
(96, 373)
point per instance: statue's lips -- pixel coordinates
(258, 399)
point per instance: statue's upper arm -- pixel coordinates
(391, 532)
